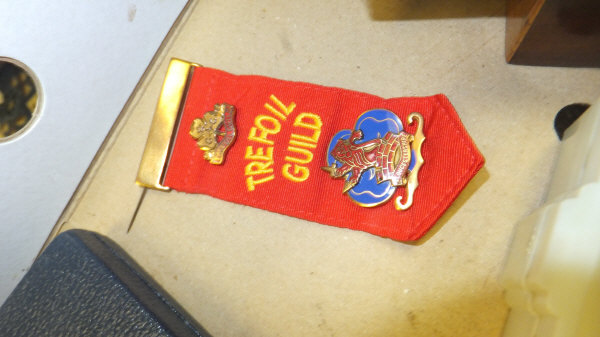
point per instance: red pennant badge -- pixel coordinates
(389, 167)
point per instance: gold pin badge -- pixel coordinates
(378, 146)
(215, 132)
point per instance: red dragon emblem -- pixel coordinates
(390, 156)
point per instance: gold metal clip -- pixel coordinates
(164, 124)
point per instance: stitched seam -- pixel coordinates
(466, 171)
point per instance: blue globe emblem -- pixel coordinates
(374, 124)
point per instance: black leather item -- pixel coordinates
(84, 285)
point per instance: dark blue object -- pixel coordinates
(566, 116)
(84, 285)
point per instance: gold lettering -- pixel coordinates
(308, 156)
(301, 143)
(303, 138)
(283, 111)
(300, 173)
(309, 121)
(251, 182)
(254, 168)
(259, 154)
(262, 137)
(257, 167)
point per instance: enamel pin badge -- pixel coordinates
(328, 155)
(214, 132)
(376, 157)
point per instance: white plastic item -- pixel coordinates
(552, 272)
(88, 57)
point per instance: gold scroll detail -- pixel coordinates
(413, 180)
(214, 132)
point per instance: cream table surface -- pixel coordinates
(241, 271)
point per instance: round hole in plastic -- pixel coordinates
(19, 99)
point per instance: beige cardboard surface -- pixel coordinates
(246, 272)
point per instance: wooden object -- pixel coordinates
(553, 32)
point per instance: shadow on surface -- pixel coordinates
(385, 10)
(480, 178)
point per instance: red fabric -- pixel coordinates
(451, 158)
